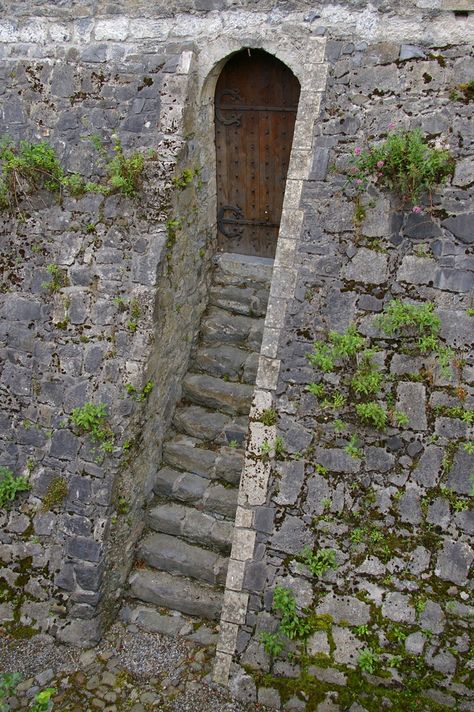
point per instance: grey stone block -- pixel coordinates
(411, 400)
(454, 561)
(461, 226)
(408, 51)
(84, 548)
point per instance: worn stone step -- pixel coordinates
(185, 453)
(176, 556)
(177, 593)
(232, 268)
(220, 326)
(227, 396)
(175, 625)
(210, 425)
(239, 299)
(192, 525)
(198, 491)
(227, 362)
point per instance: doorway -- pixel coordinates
(256, 101)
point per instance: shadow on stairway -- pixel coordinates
(181, 561)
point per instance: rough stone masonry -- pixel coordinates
(399, 514)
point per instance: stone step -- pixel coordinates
(198, 491)
(220, 326)
(229, 397)
(232, 268)
(185, 453)
(239, 299)
(176, 556)
(175, 625)
(227, 362)
(210, 425)
(192, 525)
(177, 593)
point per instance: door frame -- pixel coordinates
(305, 56)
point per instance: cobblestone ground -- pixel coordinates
(129, 670)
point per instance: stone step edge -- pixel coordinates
(179, 625)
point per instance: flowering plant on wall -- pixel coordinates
(405, 164)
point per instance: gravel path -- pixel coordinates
(130, 670)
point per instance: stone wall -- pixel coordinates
(389, 617)
(68, 71)
(125, 313)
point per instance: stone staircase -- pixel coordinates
(181, 561)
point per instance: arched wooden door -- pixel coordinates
(255, 110)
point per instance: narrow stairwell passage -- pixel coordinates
(181, 562)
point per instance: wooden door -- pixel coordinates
(255, 110)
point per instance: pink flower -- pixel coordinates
(416, 209)
(359, 181)
(391, 126)
(380, 164)
(357, 150)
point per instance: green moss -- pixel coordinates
(56, 493)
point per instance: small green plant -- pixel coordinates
(466, 92)
(367, 382)
(233, 444)
(123, 505)
(8, 684)
(272, 643)
(320, 562)
(420, 605)
(357, 535)
(56, 493)
(92, 419)
(279, 447)
(265, 448)
(404, 163)
(340, 346)
(398, 634)
(368, 660)
(321, 470)
(372, 413)
(24, 168)
(291, 624)
(362, 630)
(135, 311)
(186, 178)
(120, 303)
(398, 316)
(316, 389)
(338, 401)
(268, 416)
(124, 173)
(400, 418)
(11, 485)
(338, 425)
(470, 311)
(352, 448)
(42, 700)
(58, 278)
(139, 395)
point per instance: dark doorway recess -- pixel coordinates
(255, 110)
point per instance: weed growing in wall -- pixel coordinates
(58, 278)
(92, 419)
(405, 164)
(415, 326)
(320, 562)
(10, 486)
(30, 166)
(26, 167)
